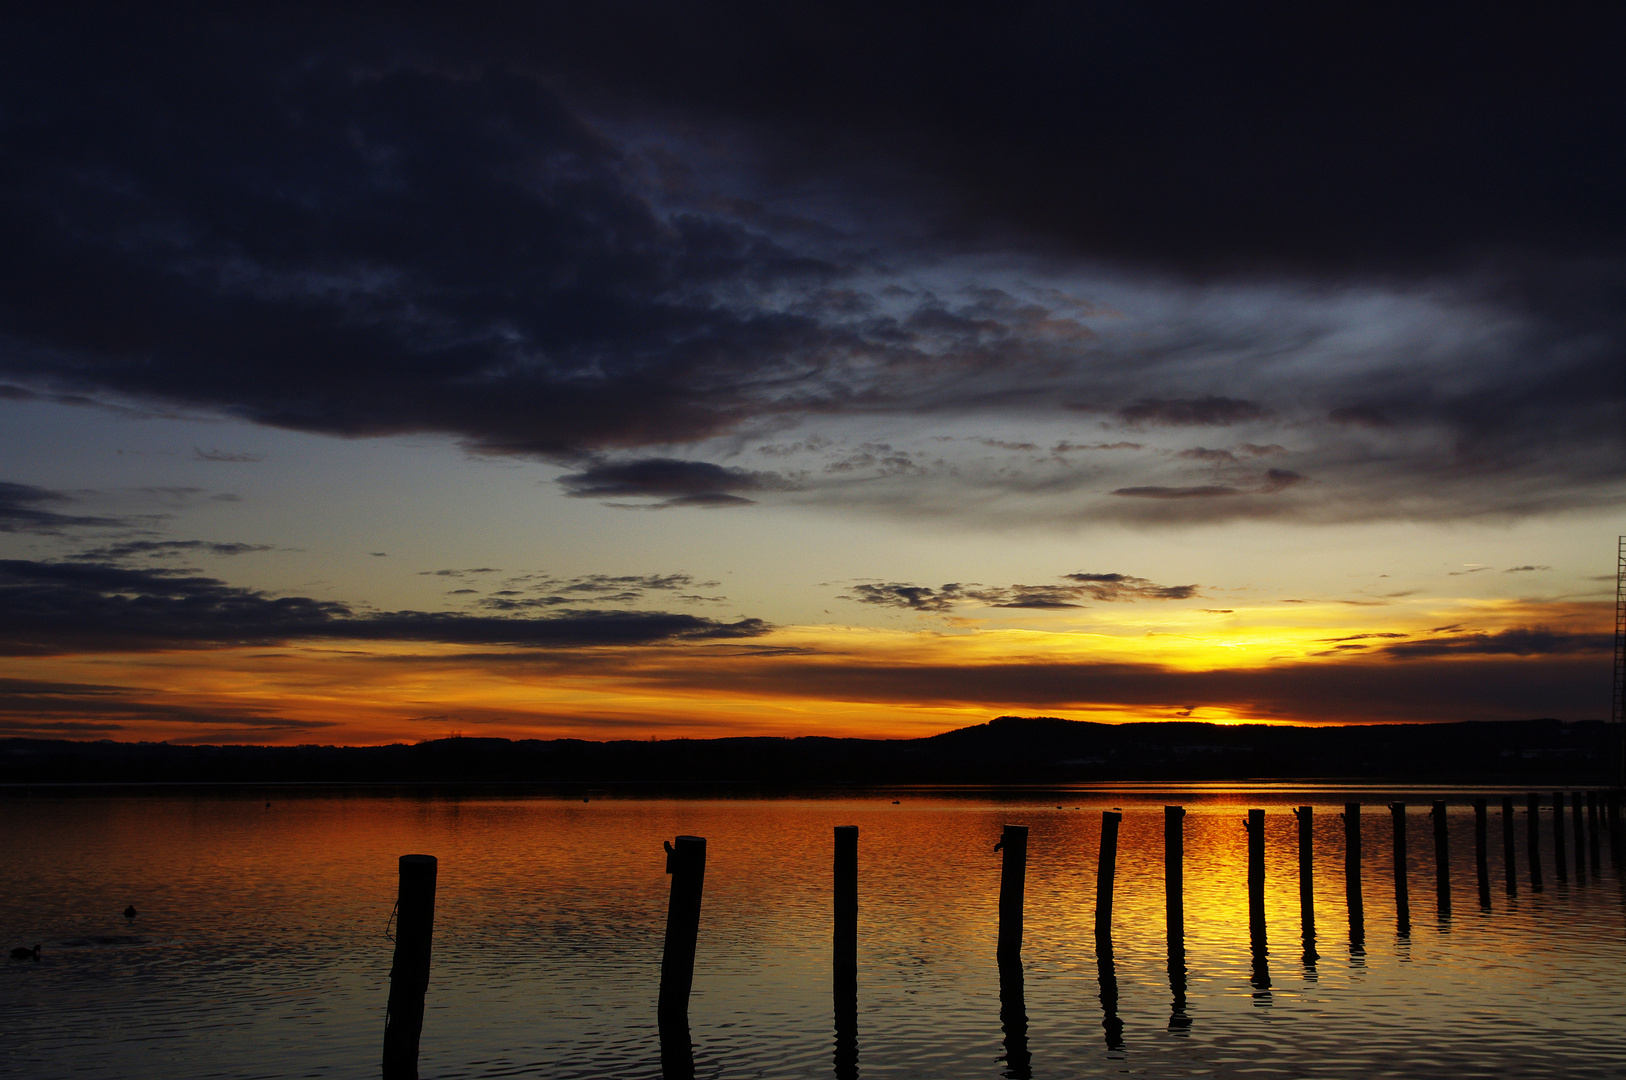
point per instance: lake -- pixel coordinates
(260, 946)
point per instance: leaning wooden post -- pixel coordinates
(1397, 811)
(1013, 876)
(686, 862)
(846, 909)
(1306, 819)
(1481, 856)
(409, 975)
(1532, 804)
(1352, 872)
(1256, 876)
(1174, 874)
(1106, 868)
(1560, 857)
(1510, 853)
(1442, 858)
(1578, 827)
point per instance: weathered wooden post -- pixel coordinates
(1509, 848)
(1560, 857)
(1532, 804)
(1174, 873)
(1256, 875)
(1306, 820)
(1397, 811)
(1106, 868)
(846, 909)
(1013, 877)
(686, 862)
(409, 974)
(1481, 856)
(1352, 873)
(1578, 827)
(1442, 858)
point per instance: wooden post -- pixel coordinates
(1481, 856)
(1578, 827)
(409, 975)
(1013, 877)
(1442, 858)
(1174, 874)
(1509, 848)
(845, 967)
(1306, 819)
(1560, 857)
(1397, 811)
(1532, 804)
(1256, 875)
(1106, 868)
(1352, 873)
(686, 862)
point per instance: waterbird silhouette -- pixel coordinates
(130, 913)
(21, 953)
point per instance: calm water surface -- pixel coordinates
(260, 947)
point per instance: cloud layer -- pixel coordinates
(49, 608)
(533, 231)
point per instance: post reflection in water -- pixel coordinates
(846, 1056)
(677, 1050)
(1179, 1022)
(1107, 972)
(1013, 1020)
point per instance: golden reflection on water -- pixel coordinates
(259, 948)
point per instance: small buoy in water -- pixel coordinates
(584, 800)
(130, 912)
(20, 953)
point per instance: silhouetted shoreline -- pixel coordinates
(1008, 750)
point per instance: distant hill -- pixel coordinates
(1010, 749)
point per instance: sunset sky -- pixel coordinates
(625, 370)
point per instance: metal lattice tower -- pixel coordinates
(1617, 702)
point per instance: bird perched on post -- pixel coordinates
(130, 913)
(20, 953)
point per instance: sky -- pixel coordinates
(652, 370)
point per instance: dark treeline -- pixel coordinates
(1011, 749)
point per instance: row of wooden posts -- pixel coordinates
(686, 863)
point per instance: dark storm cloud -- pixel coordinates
(57, 607)
(1081, 587)
(573, 231)
(677, 483)
(23, 509)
